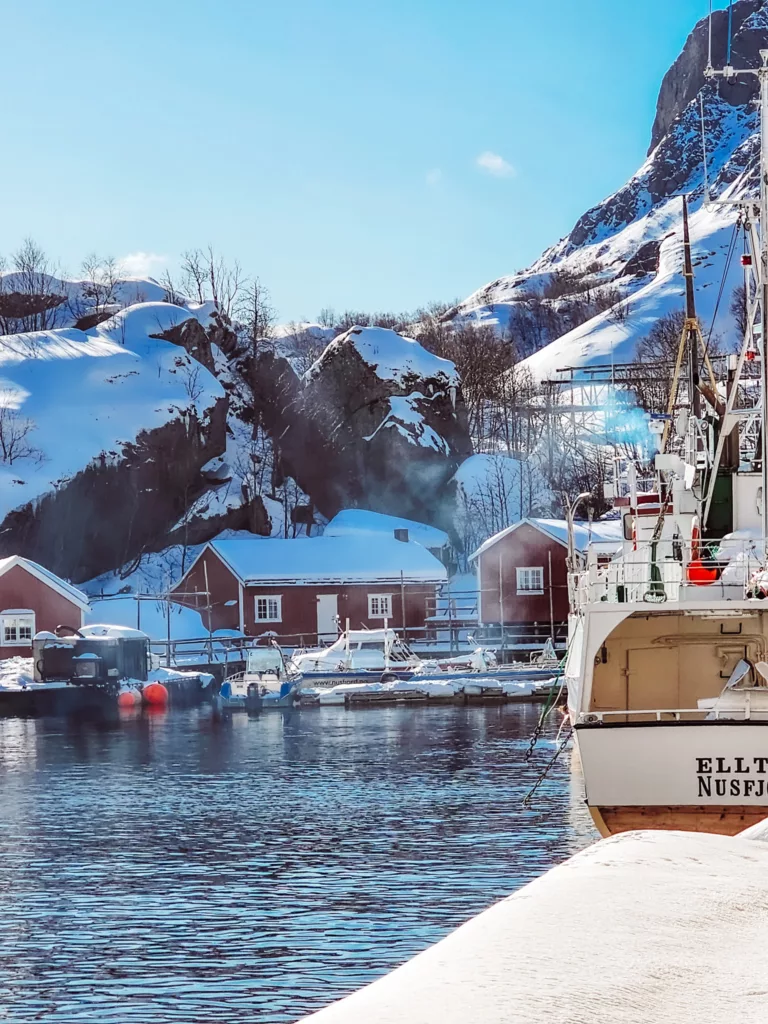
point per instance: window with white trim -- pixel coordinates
(530, 580)
(379, 606)
(268, 608)
(17, 628)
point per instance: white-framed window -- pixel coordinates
(17, 628)
(379, 606)
(530, 580)
(268, 608)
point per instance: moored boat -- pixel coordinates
(269, 681)
(667, 669)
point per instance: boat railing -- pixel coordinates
(669, 715)
(673, 570)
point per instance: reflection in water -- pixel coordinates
(184, 867)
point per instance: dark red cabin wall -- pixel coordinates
(299, 604)
(299, 607)
(526, 546)
(20, 589)
(223, 586)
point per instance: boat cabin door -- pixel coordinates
(327, 617)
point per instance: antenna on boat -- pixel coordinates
(730, 31)
(758, 302)
(690, 340)
(691, 323)
(709, 52)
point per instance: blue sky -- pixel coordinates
(353, 155)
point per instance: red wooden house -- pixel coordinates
(522, 574)
(307, 588)
(33, 599)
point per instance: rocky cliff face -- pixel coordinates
(376, 422)
(626, 251)
(114, 509)
(685, 79)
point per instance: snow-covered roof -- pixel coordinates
(584, 534)
(352, 522)
(46, 576)
(349, 559)
(102, 631)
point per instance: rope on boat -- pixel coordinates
(528, 798)
(550, 703)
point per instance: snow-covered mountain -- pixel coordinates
(620, 268)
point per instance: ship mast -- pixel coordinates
(759, 303)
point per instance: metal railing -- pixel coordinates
(674, 571)
(674, 714)
(515, 641)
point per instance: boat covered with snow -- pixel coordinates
(381, 655)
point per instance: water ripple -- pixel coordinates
(188, 868)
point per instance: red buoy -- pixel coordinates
(128, 698)
(698, 573)
(155, 694)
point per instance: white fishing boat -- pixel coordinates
(666, 669)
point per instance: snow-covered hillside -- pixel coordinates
(69, 397)
(624, 257)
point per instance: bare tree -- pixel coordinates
(31, 295)
(257, 316)
(98, 296)
(207, 277)
(191, 373)
(172, 293)
(327, 317)
(15, 431)
(738, 309)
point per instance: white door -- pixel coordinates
(327, 617)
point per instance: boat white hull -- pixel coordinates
(699, 776)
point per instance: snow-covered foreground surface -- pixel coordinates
(643, 928)
(86, 394)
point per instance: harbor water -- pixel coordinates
(187, 867)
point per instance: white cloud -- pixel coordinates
(142, 264)
(496, 165)
(434, 176)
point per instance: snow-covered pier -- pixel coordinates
(469, 689)
(643, 927)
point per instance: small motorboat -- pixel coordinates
(268, 682)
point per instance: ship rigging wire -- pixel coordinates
(723, 280)
(730, 29)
